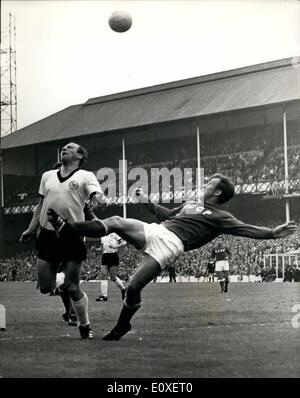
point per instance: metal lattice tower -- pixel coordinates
(8, 77)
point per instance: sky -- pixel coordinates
(66, 52)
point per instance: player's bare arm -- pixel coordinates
(283, 230)
(238, 228)
(29, 233)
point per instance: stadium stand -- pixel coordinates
(241, 135)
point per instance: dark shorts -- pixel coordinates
(55, 249)
(110, 259)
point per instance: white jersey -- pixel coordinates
(111, 243)
(66, 195)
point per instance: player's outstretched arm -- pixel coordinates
(160, 212)
(233, 226)
(283, 230)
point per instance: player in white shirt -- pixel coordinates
(66, 190)
(110, 245)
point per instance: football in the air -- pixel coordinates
(120, 21)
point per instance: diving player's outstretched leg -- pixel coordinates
(148, 270)
(128, 229)
(92, 229)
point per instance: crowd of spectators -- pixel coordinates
(19, 268)
(246, 161)
(252, 167)
(247, 258)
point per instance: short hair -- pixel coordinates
(84, 152)
(226, 186)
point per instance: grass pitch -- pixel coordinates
(183, 330)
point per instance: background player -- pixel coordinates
(189, 227)
(109, 264)
(211, 269)
(172, 273)
(66, 190)
(221, 255)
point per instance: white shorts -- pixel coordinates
(60, 279)
(222, 265)
(161, 244)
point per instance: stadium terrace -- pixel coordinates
(158, 184)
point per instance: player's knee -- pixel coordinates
(114, 221)
(72, 288)
(133, 296)
(62, 287)
(134, 288)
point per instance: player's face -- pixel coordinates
(211, 188)
(69, 153)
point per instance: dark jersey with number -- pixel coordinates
(221, 253)
(197, 224)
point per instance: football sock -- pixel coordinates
(226, 286)
(222, 285)
(55, 220)
(119, 283)
(66, 300)
(91, 229)
(104, 287)
(81, 310)
(67, 231)
(88, 213)
(126, 315)
(72, 312)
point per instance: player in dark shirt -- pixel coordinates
(211, 270)
(221, 255)
(187, 227)
(172, 273)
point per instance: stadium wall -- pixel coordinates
(19, 161)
